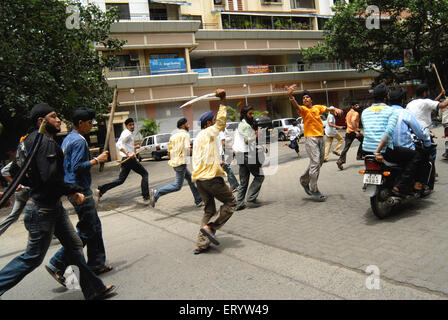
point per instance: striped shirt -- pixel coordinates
(379, 121)
(403, 135)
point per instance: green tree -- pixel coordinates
(150, 127)
(420, 25)
(47, 54)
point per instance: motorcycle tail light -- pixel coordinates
(362, 171)
(373, 166)
(386, 173)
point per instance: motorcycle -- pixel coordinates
(379, 179)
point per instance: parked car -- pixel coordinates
(282, 126)
(155, 146)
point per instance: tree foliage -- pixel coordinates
(45, 57)
(150, 127)
(420, 25)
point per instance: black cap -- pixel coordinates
(128, 121)
(306, 93)
(380, 92)
(83, 114)
(181, 122)
(40, 110)
(396, 95)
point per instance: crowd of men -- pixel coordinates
(55, 171)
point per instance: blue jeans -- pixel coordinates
(181, 174)
(41, 224)
(91, 234)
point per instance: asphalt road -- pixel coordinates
(287, 247)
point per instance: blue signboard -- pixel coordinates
(164, 66)
(394, 63)
(203, 72)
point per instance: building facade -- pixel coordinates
(178, 50)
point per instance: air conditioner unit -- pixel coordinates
(219, 2)
(134, 57)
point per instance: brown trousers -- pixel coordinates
(209, 190)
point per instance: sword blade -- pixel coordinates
(197, 99)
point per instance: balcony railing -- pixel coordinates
(228, 71)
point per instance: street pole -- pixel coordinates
(245, 92)
(326, 90)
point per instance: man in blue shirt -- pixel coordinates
(77, 171)
(407, 127)
(380, 121)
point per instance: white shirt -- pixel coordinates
(126, 142)
(294, 133)
(422, 109)
(330, 131)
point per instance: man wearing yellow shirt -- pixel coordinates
(209, 176)
(178, 150)
(314, 139)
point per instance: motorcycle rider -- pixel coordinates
(407, 127)
(379, 121)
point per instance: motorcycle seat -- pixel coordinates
(391, 164)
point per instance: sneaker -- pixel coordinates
(147, 200)
(200, 204)
(152, 200)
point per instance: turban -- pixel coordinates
(40, 111)
(181, 122)
(380, 92)
(207, 116)
(82, 114)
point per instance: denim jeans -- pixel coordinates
(41, 224)
(90, 231)
(125, 168)
(181, 174)
(21, 197)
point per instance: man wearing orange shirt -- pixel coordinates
(352, 119)
(314, 139)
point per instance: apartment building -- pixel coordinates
(178, 50)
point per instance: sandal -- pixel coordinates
(103, 269)
(105, 294)
(200, 250)
(57, 276)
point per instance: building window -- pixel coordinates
(303, 4)
(270, 1)
(218, 2)
(158, 14)
(123, 8)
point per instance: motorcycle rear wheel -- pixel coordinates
(379, 207)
